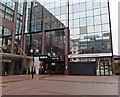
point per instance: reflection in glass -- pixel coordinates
(105, 18)
(105, 27)
(82, 7)
(83, 22)
(89, 5)
(97, 20)
(76, 23)
(90, 21)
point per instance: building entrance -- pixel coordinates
(104, 68)
(53, 67)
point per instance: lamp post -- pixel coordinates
(33, 52)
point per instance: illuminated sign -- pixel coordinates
(43, 57)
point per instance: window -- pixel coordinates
(97, 20)
(63, 9)
(8, 18)
(76, 23)
(2, 7)
(83, 22)
(1, 14)
(96, 4)
(57, 11)
(63, 2)
(105, 18)
(76, 8)
(76, 31)
(98, 28)
(82, 14)
(105, 27)
(90, 21)
(76, 36)
(104, 3)
(7, 32)
(89, 5)
(63, 17)
(82, 7)
(76, 15)
(83, 30)
(71, 23)
(104, 10)
(90, 13)
(9, 11)
(97, 12)
(90, 29)
(51, 5)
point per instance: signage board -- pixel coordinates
(43, 57)
(90, 55)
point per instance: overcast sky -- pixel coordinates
(114, 25)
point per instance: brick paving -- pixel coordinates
(60, 85)
(15, 78)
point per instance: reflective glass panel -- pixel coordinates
(83, 22)
(90, 21)
(105, 18)
(82, 7)
(89, 5)
(97, 20)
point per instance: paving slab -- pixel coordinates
(62, 85)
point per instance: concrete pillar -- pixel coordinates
(23, 28)
(66, 31)
(113, 65)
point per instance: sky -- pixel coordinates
(114, 25)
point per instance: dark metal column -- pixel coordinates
(113, 65)
(14, 27)
(66, 31)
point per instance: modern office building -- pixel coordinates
(77, 33)
(90, 41)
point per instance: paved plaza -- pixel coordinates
(59, 85)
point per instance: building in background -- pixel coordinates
(11, 30)
(90, 39)
(44, 25)
(28, 25)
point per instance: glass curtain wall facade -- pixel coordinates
(7, 12)
(88, 22)
(89, 25)
(40, 21)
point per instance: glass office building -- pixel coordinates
(11, 36)
(90, 33)
(86, 49)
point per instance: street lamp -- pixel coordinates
(33, 52)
